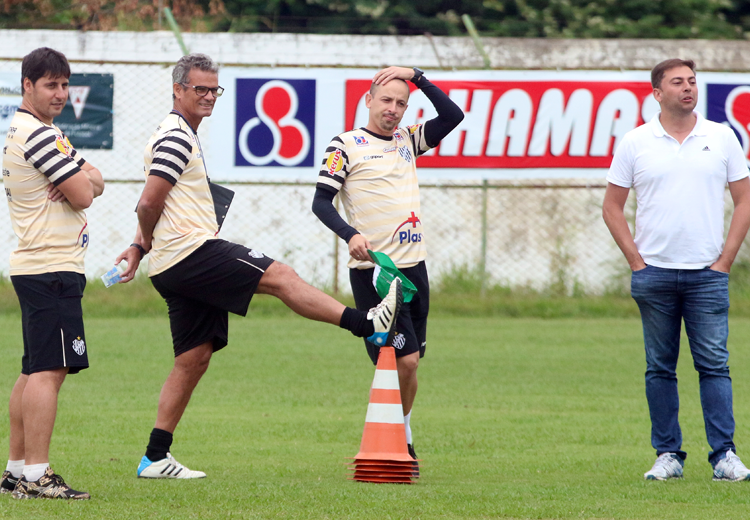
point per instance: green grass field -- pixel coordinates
(515, 418)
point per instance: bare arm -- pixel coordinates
(76, 189)
(151, 206)
(149, 210)
(740, 191)
(613, 211)
(95, 178)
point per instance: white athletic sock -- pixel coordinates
(35, 471)
(407, 427)
(15, 467)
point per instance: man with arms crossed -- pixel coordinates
(48, 185)
(374, 169)
(679, 164)
(201, 277)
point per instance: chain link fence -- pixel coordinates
(540, 235)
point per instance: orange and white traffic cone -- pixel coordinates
(383, 455)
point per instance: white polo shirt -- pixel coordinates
(679, 221)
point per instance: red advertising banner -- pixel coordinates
(525, 124)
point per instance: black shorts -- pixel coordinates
(411, 324)
(217, 278)
(52, 321)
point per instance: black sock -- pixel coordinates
(357, 323)
(158, 445)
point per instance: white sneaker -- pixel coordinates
(166, 468)
(731, 468)
(384, 315)
(667, 465)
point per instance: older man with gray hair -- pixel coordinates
(201, 277)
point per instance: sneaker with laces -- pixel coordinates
(166, 468)
(384, 315)
(667, 465)
(49, 485)
(415, 463)
(731, 468)
(8, 482)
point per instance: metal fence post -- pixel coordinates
(483, 258)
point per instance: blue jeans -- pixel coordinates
(665, 297)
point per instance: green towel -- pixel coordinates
(385, 272)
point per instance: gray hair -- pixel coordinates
(187, 63)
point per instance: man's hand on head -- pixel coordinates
(386, 75)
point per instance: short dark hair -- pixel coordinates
(657, 73)
(43, 61)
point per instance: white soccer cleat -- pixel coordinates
(731, 468)
(384, 315)
(667, 465)
(166, 468)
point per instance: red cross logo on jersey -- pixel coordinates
(413, 220)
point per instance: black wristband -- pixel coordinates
(140, 249)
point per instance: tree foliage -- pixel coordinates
(708, 19)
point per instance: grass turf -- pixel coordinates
(515, 418)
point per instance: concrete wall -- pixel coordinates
(438, 52)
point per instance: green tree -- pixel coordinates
(710, 19)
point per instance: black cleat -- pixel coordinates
(8, 484)
(413, 455)
(48, 486)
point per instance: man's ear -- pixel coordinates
(368, 100)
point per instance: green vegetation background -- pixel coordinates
(460, 293)
(707, 19)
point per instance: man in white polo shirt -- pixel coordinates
(679, 165)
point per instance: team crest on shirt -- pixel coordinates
(334, 163)
(361, 140)
(63, 145)
(398, 136)
(405, 153)
(79, 346)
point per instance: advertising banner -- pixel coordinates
(10, 100)
(526, 124)
(275, 124)
(87, 116)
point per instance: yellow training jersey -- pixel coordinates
(188, 219)
(376, 177)
(52, 236)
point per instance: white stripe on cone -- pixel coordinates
(385, 413)
(385, 380)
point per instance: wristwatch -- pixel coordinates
(418, 73)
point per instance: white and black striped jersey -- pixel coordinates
(188, 218)
(376, 178)
(52, 236)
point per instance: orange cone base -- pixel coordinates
(383, 471)
(363, 463)
(383, 480)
